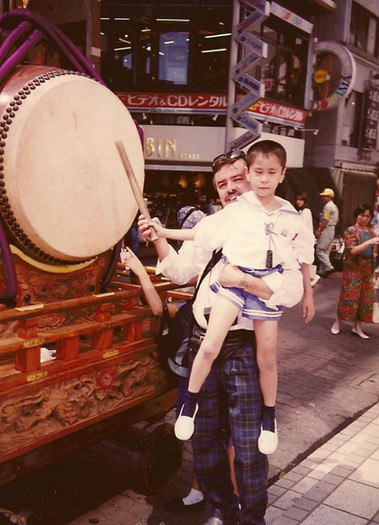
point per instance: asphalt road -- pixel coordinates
(325, 382)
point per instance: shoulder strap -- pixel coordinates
(189, 212)
(216, 256)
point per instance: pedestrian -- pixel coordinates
(265, 236)
(357, 294)
(230, 399)
(302, 206)
(325, 233)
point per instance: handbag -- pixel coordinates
(175, 333)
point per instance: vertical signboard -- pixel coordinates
(370, 117)
(253, 51)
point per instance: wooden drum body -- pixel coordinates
(65, 196)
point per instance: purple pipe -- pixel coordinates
(11, 63)
(12, 39)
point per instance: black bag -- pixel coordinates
(175, 333)
(174, 338)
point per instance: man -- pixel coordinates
(231, 400)
(325, 233)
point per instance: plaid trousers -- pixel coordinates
(230, 404)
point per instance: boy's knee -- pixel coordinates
(209, 350)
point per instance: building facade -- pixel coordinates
(181, 68)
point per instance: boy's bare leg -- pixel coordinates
(222, 316)
(266, 333)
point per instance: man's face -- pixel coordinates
(230, 181)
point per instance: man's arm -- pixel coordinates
(234, 277)
(324, 222)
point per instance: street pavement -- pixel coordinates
(328, 455)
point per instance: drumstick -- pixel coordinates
(135, 188)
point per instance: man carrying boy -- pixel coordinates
(230, 399)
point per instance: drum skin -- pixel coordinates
(65, 196)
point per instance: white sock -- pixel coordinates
(194, 496)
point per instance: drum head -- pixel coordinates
(65, 193)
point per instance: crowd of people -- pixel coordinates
(227, 406)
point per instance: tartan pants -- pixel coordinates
(230, 404)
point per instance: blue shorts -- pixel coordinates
(250, 305)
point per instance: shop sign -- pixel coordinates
(291, 18)
(371, 118)
(181, 147)
(345, 69)
(175, 102)
(254, 50)
(211, 104)
(279, 113)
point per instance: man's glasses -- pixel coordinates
(233, 155)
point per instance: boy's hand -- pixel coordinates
(308, 307)
(145, 226)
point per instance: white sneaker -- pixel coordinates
(268, 441)
(185, 425)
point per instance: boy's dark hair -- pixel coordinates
(266, 147)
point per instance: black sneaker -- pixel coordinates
(177, 505)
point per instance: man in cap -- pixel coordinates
(325, 233)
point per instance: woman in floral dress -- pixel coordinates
(357, 289)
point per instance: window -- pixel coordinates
(364, 30)
(173, 57)
(284, 71)
(153, 49)
(352, 120)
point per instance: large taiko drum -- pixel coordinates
(65, 196)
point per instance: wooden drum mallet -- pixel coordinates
(135, 188)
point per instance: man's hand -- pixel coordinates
(230, 276)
